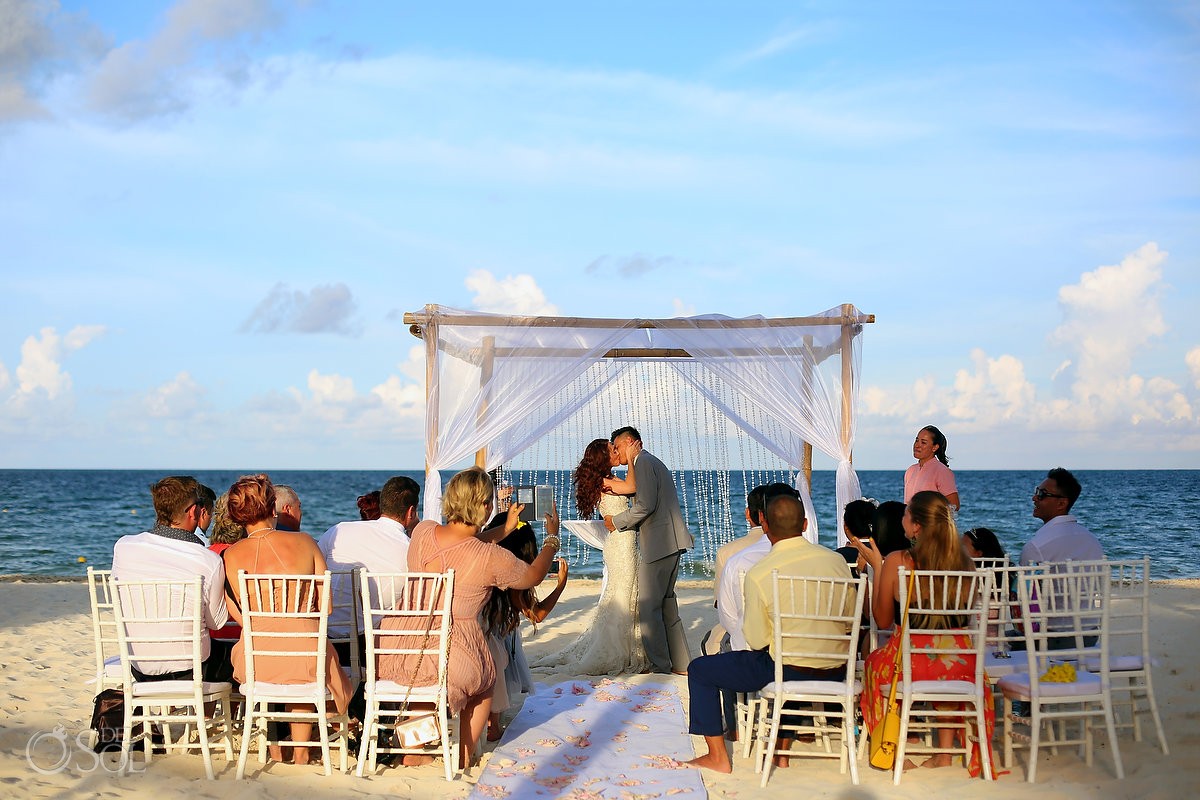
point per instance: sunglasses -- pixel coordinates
(1041, 494)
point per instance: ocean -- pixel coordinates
(59, 522)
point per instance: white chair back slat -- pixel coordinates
(160, 630)
(407, 615)
(287, 617)
(948, 614)
(1064, 611)
(813, 619)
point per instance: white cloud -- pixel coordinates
(1109, 317)
(180, 398)
(36, 401)
(330, 389)
(149, 78)
(995, 390)
(41, 369)
(324, 309)
(1111, 314)
(516, 295)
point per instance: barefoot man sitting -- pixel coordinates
(750, 670)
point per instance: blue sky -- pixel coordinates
(213, 214)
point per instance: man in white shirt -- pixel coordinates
(377, 545)
(1061, 537)
(754, 509)
(171, 551)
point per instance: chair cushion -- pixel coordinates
(826, 688)
(177, 688)
(1115, 663)
(417, 693)
(261, 689)
(1017, 685)
(940, 687)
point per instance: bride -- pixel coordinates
(611, 643)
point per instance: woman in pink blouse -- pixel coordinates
(932, 470)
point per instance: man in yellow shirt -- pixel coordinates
(750, 670)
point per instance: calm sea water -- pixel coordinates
(49, 519)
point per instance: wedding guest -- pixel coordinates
(380, 545)
(205, 500)
(502, 617)
(288, 512)
(750, 670)
(932, 470)
(929, 523)
(478, 567)
(252, 504)
(171, 551)
(225, 533)
(857, 520)
(982, 543)
(368, 506)
(1061, 537)
(888, 528)
(730, 595)
(754, 509)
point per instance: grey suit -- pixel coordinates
(662, 538)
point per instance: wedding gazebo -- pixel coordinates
(497, 385)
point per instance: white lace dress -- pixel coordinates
(611, 642)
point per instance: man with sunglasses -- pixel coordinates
(1061, 537)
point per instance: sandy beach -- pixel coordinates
(46, 646)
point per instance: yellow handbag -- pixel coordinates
(885, 734)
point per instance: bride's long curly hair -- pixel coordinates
(594, 467)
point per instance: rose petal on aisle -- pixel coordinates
(587, 740)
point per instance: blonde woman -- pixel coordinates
(929, 525)
(478, 567)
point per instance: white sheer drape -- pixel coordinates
(490, 372)
(489, 377)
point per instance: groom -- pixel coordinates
(662, 538)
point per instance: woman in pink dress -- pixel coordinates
(266, 550)
(932, 470)
(478, 567)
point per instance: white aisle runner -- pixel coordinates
(587, 740)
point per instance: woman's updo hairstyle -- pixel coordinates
(251, 499)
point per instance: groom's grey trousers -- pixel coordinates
(663, 635)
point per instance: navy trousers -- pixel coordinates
(737, 671)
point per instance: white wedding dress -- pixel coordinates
(611, 642)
